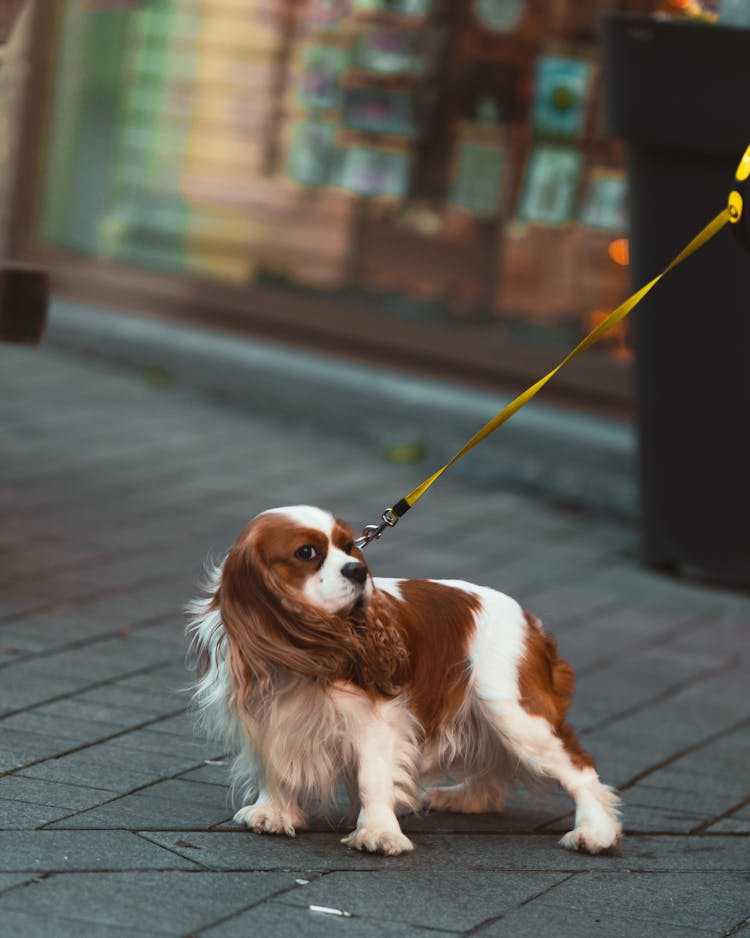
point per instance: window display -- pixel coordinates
(444, 161)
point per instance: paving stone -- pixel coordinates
(62, 731)
(698, 787)
(274, 919)
(37, 680)
(613, 634)
(99, 718)
(62, 851)
(642, 677)
(153, 754)
(450, 901)
(625, 747)
(307, 853)
(649, 904)
(171, 903)
(50, 729)
(41, 925)
(10, 880)
(37, 791)
(133, 700)
(320, 852)
(561, 606)
(139, 753)
(172, 804)
(554, 564)
(524, 811)
(115, 494)
(18, 749)
(56, 630)
(18, 815)
(213, 772)
(736, 824)
(178, 729)
(118, 772)
(159, 741)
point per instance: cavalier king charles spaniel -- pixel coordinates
(314, 672)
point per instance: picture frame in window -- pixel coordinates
(551, 183)
(604, 204)
(320, 82)
(479, 176)
(388, 51)
(311, 154)
(373, 171)
(562, 89)
(379, 111)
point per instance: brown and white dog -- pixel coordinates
(313, 672)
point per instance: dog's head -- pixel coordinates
(306, 554)
(296, 595)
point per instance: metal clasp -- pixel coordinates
(373, 532)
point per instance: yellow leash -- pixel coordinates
(732, 214)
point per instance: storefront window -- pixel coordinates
(437, 161)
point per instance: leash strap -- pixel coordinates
(732, 214)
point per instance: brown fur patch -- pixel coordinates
(382, 662)
(343, 538)
(438, 623)
(274, 540)
(546, 683)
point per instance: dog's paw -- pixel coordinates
(376, 840)
(587, 839)
(268, 819)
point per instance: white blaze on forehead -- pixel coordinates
(307, 516)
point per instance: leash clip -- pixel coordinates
(373, 532)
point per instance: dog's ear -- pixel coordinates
(383, 659)
(269, 628)
(204, 629)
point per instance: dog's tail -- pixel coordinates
(550, 680)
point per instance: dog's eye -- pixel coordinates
(348, 548)
(308, 552)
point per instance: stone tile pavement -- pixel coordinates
(114, 815)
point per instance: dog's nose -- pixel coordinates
(356, 572)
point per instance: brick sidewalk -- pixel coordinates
(114, 815)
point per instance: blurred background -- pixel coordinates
(427, 182)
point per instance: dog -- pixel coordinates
(314, 672)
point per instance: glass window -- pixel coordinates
(434, 162)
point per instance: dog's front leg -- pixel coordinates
(382, 752)
(271, 813)
(271, 808)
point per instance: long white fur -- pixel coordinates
(294, 744)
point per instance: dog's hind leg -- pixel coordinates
(544, 752)
(477, 794)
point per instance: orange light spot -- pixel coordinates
(680, 4)
(619, 251)
(615, 341)
(597, 317)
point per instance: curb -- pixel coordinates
(555, 453)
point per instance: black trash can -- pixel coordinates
(679, 94)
